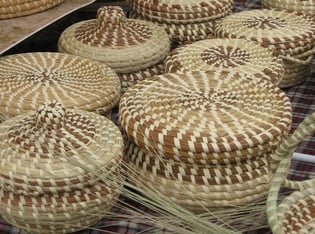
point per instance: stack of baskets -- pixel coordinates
(16, 8)
(134, 49)
(237, 55)
(184, 21)
(30, 79)
(289, 34)
(60, 169)
(304, 6)
(204, 138)
(296, 212)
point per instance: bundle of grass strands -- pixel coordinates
(289, 34)
(237, 55)
(134, 49)
(184, 21)
(51, 163)
(296, 212)
(28, 80)
(304, 6)
(17, 8)
(203, 139)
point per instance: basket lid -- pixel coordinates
(126, 45)
(227, 54)
(178, 11)
(205, 114)
(16, 8)
(55, 150)
(280, 30)
(29, 80)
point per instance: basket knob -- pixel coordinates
(50, 115)
(109, 17)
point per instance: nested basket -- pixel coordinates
(60, 169)
(204, 138)
(296, 212)
(134, 49)
(184, 21)
(28, 80)
(304, 6)
(237, 55)
(289, 34)
(16, 8)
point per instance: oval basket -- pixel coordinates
(296, 212)
(289, 34)
(16, 8)
(53, 164)
(237, 55)
(28, 80)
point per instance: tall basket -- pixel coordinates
(296, 212)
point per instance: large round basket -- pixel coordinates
(128, 46)
(289, 34)
(204, 138)
(28, 80)
(296, 212)
(237, 55)
(304, 6)
(16, 8)
(60, 169)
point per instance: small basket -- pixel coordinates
(28, 80)
(303, 6)
(237, 55)
(296, 212)
(289, 34)
(16, 8)
(126, 45)
(53, 164)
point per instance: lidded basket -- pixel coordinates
(53, 164)
(204, 138)
(289, 34)
(28, 80)
(135, 49)
(16, 8)
(236, 55)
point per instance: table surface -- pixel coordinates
(303, 103)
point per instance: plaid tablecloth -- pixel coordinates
(303, 103)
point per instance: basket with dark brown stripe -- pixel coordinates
(304, 6)
(126, 45)
(289, 34)
(52, 164)
(237, 55)
(30, 79)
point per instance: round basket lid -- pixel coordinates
(226, 54)
(31, 79)
(57, 150)
(283, 31)
(205, 114)
(17, 8)
(178, 11)
(126, 45)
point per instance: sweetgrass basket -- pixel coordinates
(52, 160)
(28, 80)
(237, 55)
(296, 212)
(126, 45)
(289, 34)
(304, 6)
(16, 8)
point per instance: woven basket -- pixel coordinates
(16, 8)
(304, 6)
(30, 79)
(289, 34)
(238, 55)
(51, 164)
(296, 212)
(126, 45)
